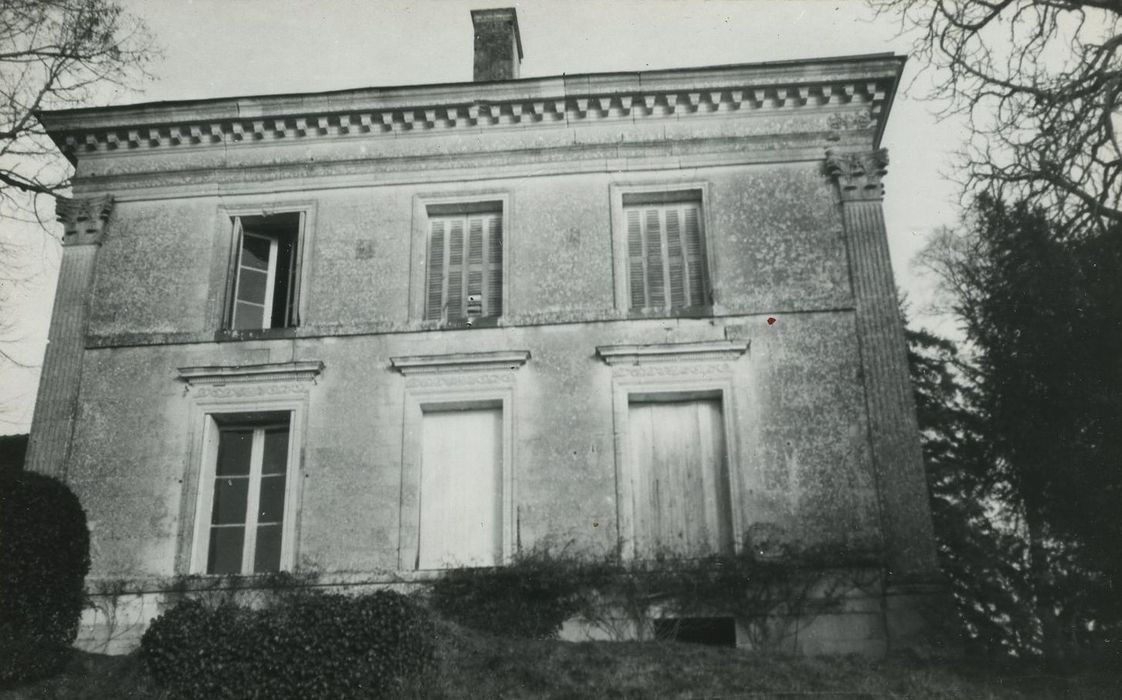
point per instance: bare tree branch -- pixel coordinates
(1041, 84)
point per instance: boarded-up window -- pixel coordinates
(465, 262)
(665, 252)
(247, 496)
(461, 488)
(680, 478)
(266, 271)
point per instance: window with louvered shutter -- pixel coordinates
(465, 259)
(665, 255)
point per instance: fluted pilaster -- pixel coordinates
(52, 424)
(894, 431)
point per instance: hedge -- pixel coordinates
(44, 558)
(307, 645)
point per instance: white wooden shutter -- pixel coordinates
(680, 478)
(461, 489)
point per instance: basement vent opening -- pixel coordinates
(711, 631)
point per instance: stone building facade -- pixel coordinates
(381, 332)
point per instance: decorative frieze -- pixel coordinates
(706, 350)
(460, 362)
(858, 174)
(83, 219)
(868, 97)
(274, 374)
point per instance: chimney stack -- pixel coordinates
(498, 47)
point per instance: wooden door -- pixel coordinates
(680, 478)
(461, 488)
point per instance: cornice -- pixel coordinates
(217, 375)
(864, 83)
(460, 361)
(711, 350)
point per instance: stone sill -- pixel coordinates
(712, 314)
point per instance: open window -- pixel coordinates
(464, 280)
(265, 285)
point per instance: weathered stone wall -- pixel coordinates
(776, 251)
(775, 246)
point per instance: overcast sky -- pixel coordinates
(214, 48)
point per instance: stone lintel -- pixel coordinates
(83, 219)
(712, 350)
(460, 361)
(305, 370)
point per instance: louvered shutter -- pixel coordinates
(465, 258)
(695, 258)
(493, 299)
(652, 241)
(435, 302)
(665, 258)
(454, 298)
(636, 264)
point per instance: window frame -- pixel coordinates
(427, 206)
(198, 487)
(672, 192)
(229, 222)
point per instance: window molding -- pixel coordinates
(449, 204)
(661, 193)
(672, 371)
(446, 383)
(240, 391)
(229, 234)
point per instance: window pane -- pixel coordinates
(234, 447)
(272, 500)
(251, 286)
(247, 315)
(225, 556)
(267, 556)
(255, 252)
(229, 500)
(276, 451)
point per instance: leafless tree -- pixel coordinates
(1040, 82)
(55, 54)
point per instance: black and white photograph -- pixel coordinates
(560, 349)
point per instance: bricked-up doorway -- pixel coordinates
(461, 488)
(680, 476)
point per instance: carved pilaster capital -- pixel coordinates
(858, 174)
(83, 219)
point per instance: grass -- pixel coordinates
(473, 665)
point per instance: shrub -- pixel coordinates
(533, 595)
(44, 558)
(306, 645)
(529, 598)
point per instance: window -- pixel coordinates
(680, 476)
(465, 262)
(243, 494)
(665, 251)
(266, 271)
(461, 520)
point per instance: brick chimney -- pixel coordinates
(498, 47)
